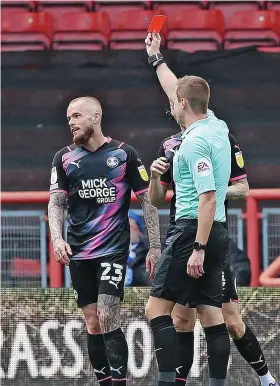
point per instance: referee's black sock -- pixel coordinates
(98, 358)
(166, 349)
(250, 349)
(117, 354)
(218, 350)
(185, 359)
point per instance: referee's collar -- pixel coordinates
(193, 126)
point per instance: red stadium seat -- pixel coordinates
(15, 6)
(248, 28)
(193, 30)
(113, 8)
(22, 31)
(170, 6)
(57, 8)
(229, 8)
(273, 5)
(81, 30)
(129, 30)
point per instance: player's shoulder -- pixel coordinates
(128, 149)
(66, 149)
(172, 139)
(234, 144)
(232, 139)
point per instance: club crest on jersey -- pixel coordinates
(53, 175)
(112, 162)
(143, 173)
(239, 159)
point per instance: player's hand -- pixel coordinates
(61, 251)
(159, 167)
(152, 42)
(195, 264)
(152, 259)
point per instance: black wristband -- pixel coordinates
(154, 58)
(156, 64)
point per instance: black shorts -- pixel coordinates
(229, 281)
(172, 282)
(103, 275)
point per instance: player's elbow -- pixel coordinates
(240, 189)
(246, 189)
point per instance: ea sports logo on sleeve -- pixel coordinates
(203, 167)
(112, 162)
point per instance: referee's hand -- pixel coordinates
(159, 167)
(152, 42)
(195, 264)
(61, 251)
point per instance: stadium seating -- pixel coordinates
(113, 8)
(81, 30)
(273, 5)
(129, 30)
(26, 31)
(192, 30)
(57, 8)
(16, 6)
(230, 8)
(253, 28)
(171, 6)
(191, 26)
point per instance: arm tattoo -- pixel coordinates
(151, 220)
(239, 190)
(56, 207)
(108, 309)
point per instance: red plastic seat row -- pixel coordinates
(113, 7)
(75, 30)
(257, 28)
(191, 30)
(21, 31)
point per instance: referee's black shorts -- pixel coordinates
(172, 282)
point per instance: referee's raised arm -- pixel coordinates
(166, 77)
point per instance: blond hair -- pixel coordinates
(88, 99)
(196, 91)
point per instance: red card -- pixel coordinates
(157, 23)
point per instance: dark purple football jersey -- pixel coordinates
(98, 186)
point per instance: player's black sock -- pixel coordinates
(250, 349)
(117, 354)
(166, 349)
(185, 359)
(218, 350)
(98, 358)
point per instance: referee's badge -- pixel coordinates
(143, 173)
(239, 159)
(54, 175)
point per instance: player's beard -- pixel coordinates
(82, 138)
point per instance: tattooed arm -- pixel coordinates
(56, 207)
(152, 224)
(239, 190)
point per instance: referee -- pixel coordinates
(190, 271)
(184, 318)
